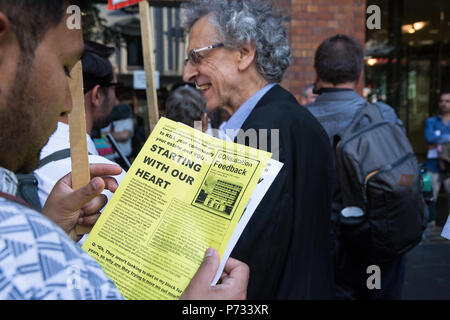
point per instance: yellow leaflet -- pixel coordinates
(184, 193)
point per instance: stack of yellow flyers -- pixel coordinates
(185, 192)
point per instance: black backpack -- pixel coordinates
(380, 176)
(28, 184)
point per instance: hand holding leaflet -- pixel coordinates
(185, 192)
(233, 285)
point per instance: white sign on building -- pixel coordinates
(139, 80)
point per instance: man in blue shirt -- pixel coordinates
(437, 132)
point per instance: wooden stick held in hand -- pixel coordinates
(78, 144)
(149, 62)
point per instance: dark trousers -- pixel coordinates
(351, 278)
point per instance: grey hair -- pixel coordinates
(306, 88)
(186, 105)
(243, 22)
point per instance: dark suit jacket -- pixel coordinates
(286, 242)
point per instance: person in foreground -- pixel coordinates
(38, 255)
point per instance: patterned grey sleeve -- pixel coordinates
(39, 261)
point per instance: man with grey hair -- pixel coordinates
(237, 54)
(308, 95)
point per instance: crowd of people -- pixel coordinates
(238, 52)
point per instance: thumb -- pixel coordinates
(88, 192)
(207, 270)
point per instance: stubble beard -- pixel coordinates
(102, 121)
(16, 129)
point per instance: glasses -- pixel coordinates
(118, 86)
(194, 58)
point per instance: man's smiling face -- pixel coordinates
(216, 74)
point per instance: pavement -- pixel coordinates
(427, 275)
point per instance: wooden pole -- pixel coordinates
(78, 142)
(149, 62)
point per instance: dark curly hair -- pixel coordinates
(339, 59)
(31, 19)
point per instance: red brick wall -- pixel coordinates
(312, 21)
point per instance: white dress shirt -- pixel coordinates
(49, 174)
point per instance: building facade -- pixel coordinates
(407, 49)
(408, 60)
(311, 22)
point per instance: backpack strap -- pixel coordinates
(14, 199)
(28, 184)
(55, 156)
(367, 111)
